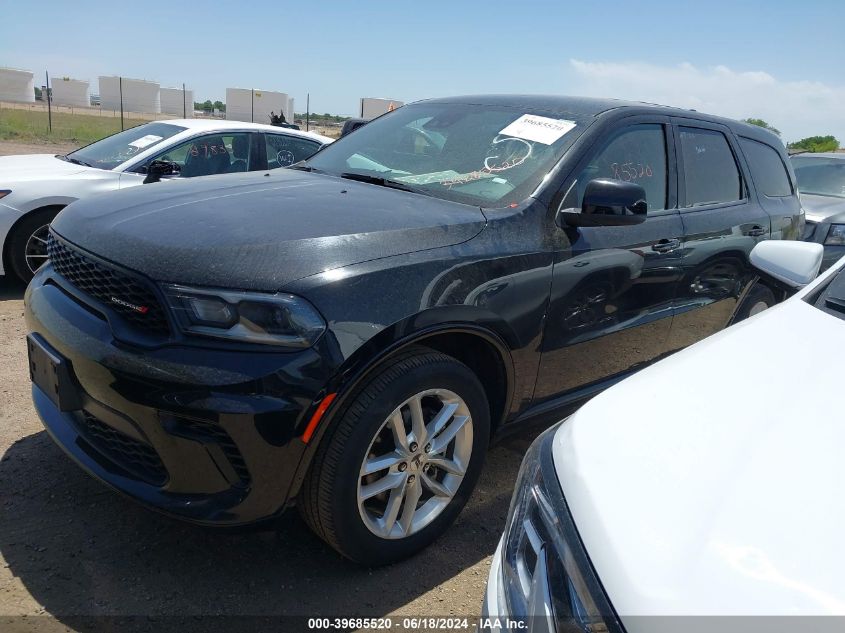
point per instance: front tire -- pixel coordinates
(394, 471)
(27, 249)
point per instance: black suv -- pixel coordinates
(349, 334)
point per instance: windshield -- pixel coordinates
(483, 155)
(820, 176)
(113, 150)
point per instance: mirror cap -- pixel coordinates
(794, 263)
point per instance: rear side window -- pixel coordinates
(767, 168)
(710, 171)
(284, 150)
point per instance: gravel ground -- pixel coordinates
(69, 547)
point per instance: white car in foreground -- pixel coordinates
(34, 188)
(709, 484)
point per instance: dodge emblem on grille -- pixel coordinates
(131, 306)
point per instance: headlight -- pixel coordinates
(836, 235)
(545, 571)
(252, 317)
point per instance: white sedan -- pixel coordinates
(709, 484)
(34, 188)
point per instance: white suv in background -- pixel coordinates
(34, 188)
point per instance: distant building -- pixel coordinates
(17, 85)
(139, 95)
(69, 92)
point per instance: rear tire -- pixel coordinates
(363, 451)
(27, 243)
(759, 298)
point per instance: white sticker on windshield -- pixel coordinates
(145, 141)
(539, 129)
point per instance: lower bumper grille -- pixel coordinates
(138, 459)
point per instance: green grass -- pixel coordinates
(26, 126)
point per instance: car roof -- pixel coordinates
(203, 125)
(586, 107)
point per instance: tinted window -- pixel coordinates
(767, 168)
(211, 154)
(284, 150)
(710, 170)
(634, 154)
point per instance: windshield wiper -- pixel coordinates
(301, 166)
(76, 161)
(378, 180)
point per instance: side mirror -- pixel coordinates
(793, 263)
(609, 203)
(158, 169)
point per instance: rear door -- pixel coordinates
(722, 222)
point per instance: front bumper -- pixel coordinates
(205, 434)
(494, 606)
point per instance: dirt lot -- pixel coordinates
(69, 547)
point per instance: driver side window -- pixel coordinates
(211, 154)
(634, 154)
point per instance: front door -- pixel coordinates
(613, 288)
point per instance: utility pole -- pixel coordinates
(49, 102)
(307, 111)
(184, 105)
(252, 105)
(120, 84)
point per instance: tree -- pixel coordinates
(219, 106)
(207, 105)
(761, 123)
(816, 144)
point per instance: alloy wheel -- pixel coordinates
(415, 464)
(35, 251)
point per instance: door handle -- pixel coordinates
(666, 245)
(755, 231)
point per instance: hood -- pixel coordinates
(260, 230)
(36, 167)
(711, 483)
(820, 208)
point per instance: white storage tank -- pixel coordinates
(139, 95)
(177, 102)
(69, 92)
(371, 107)
(243, 104)
(17, 85)
(289, 113)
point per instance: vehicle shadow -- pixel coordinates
(11, 288)
(81, 549)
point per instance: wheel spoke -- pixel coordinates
(449, 465)
(393, 480)
(391, 511)
(413, 492)
(397, 427)
(441, 419)
(40, 239)
(436, 487)
(417, 420)
(37, 256)
(382, 462)
(441, 442)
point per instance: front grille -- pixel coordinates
(129, 297)
(137, 458)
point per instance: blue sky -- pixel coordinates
(779, 60)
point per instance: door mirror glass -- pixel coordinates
(159, 169)
(609, 202)
(794, 263)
